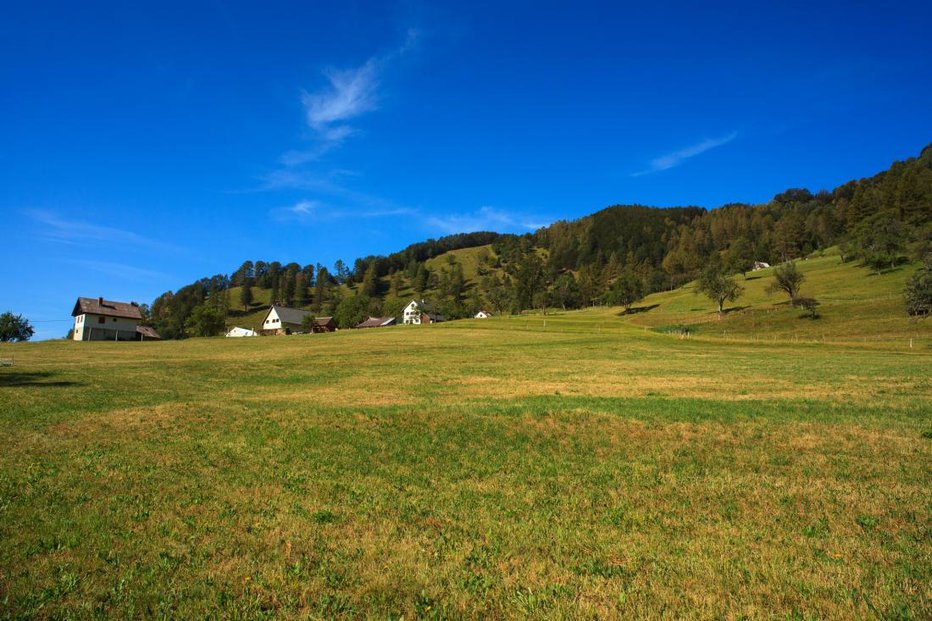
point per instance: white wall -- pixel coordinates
(412, 314)
(87, 327)
(272, 321)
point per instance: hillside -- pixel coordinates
(882, 222)
(856, 305)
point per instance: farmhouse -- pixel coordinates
(759, 265)
(97, 319)
(419, 312)
(284, 320)
(237, 332)
(482, 314)
(377, 322)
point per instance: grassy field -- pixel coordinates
(580, 465)
(856, 306)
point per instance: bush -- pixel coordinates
(810, 305)
(918, 291)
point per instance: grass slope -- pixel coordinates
(857, 305)
(564, 466)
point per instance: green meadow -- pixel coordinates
(586, 464)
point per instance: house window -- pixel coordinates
(101, 319)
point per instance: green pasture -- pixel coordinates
(571, 465)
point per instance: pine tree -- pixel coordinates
(273, 298)
(245, 294)
(370, 282)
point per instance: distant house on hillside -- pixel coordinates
(483, 315)
(419, 312)
(377, 322)
(238, 332)
(759, 265)
(97, 319)
(284, 320)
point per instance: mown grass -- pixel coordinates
(589, 468)
(856, 305)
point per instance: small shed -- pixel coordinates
(377, 322)
(237, 332)
(324, 324)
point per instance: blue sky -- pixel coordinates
(144, 145)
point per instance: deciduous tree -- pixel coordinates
(14, 328)
(787, 278)
(718, 286)
(204, 320)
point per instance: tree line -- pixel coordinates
(615, 256)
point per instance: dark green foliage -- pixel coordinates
(740, 256)
(421, 278)
(566, 291)
(718, 286)
(205, 320)
(918, 291)
(341, 272)
(627, 290)
(308, 323)
(787, 278)
(810, 305)
(245, 295)
(880, 240)
(352, 311)
(14, 328)
(370, 281)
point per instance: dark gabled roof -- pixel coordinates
(108, 308)
(323, 321)
(148, 332)
(290, 315)
(377, 322)
(424, 305)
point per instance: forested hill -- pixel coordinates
(879, 220)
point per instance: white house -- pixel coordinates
(238, 332)
(97, 319)
(759, 265)
(284, 320)
(419, 311)
(483, 314)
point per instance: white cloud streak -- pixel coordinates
(486, 218)
(330, 112)
(308, 211)
(676, 158)
(119, 270)
(349, 94)
(74, 232)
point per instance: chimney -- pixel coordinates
(100, 301)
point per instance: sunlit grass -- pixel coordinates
(570, 465)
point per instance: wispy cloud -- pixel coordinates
(304, 208)
(676, 158)
(53, 227)
(349, 93)
(307, 211)
(119, 270)
(331, 112)
(486, 218)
